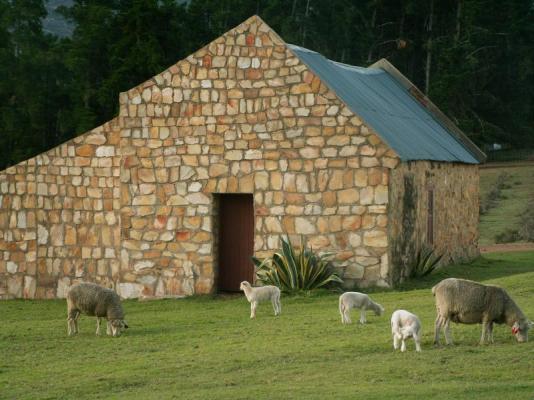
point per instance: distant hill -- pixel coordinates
(54, 23)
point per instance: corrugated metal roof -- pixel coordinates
(385, 105)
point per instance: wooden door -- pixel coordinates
(236, 240)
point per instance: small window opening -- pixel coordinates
(430, 220)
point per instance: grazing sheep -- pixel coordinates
(94, 300)
(256, 295)
(405, 325)
(350, 300)
(468, 302)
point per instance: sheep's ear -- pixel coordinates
(126, 325)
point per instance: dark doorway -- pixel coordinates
(236, 240)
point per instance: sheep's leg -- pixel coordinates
(487, 332)
(279, 305)
(346, 313)
(71, 322)
(437, 329)
(70, 326)
(403, 344)
(396, 339)
(483, 335)
(417, 340)
(108, 328)
(253, 307)
(274, 302)
(362, 316)
(97, 326)
(76, 322)
(490, 331)
(447, 330)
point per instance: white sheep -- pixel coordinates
(467, 302)
(362, 301)
(256, 295)
(94, 300)
(405, 325)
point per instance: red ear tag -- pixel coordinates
(515, 329)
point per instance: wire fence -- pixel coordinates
(510, 155)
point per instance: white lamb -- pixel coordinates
(350, 300)
(405, 325)
(256, 295)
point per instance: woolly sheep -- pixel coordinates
(94, 300)
(256, 295)
(362, 301)
(468, 302)
(405, 325)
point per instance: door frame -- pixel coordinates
(217, 200)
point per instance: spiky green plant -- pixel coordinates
(424, 264)
(293, 270)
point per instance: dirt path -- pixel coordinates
(507, 247)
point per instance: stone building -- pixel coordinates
(217, 157)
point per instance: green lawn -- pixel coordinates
(207, 348)
(507, 213)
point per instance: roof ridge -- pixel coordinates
(434, 110)
(393, 111)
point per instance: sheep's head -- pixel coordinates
(380, 310)
(520, 330)
(118, 326)
(244, 285)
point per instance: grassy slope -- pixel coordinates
(200, 348)
(507, 213)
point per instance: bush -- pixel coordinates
(294, 269)
(508, 236)
(494, 194)
(527, 228)
(424, 264)
(525, 232)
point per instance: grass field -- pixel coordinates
(515, 200)
(207, 348)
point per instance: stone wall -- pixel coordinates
(59, 217)
(132, 204)
(244, 115)
(456, 195)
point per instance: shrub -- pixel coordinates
(424, 264)
(525, 232)
(527, 228)
(494, 194)
(294, 269)
(508, 236)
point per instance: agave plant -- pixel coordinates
(292, 270)
(424, 264)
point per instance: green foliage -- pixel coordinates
(512, 217)
(524, 233)
(294, 269)
(425, 263)
(509, 235)
(492, 197)
(478, 57)
(527, 229)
